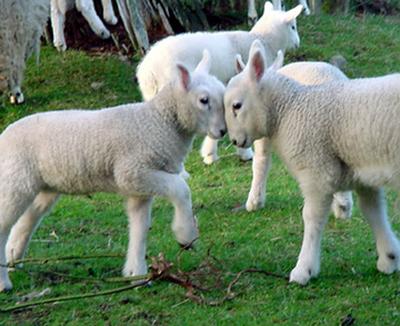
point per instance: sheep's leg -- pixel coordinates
(373, 207)
(261, 166)
(12, 205)
(57, 25)
(209, 150)
(21, 232)
(342, 204)
(305, 6)
(245, 154)
(175, 189)
(108, 12)
(315, 212)
(138, 210)
(86, 7)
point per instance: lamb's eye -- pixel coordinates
(204, 100)
(293, 27)
(236, 106)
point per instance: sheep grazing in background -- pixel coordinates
(59, 9)
(21, 26)
(276, 29)
(335, 136)
(306, 73)
(136, 150)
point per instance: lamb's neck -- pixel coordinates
(279, 94)
(165, 109)
(269, 39)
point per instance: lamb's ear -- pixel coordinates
(257, 65)
(278, 63)
(205, 62)
(293, 13)
(268, 6)
(184, 76)
(239, 64)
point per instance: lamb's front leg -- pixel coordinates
(175, 188)
(57, 24)
(315, 211)
(138, 210)
(373, 207)
(261, 166)
(209, 150)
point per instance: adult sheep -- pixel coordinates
(306, 73)
(335, 136)
(276, 29)
(21, 26)
(136, 150)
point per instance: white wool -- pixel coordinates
(21, 26)
(59, 9)
(136, 150)
(306, 73)
(336, 136)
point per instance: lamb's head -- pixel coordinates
(200, 97)
(279, 27)
(246, 111)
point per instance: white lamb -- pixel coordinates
(136, 150)
(276, 29)
(21, 25)
(335, 136)
(59, 9)
(306, 73)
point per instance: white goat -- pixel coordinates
(136, 150)
(59, 9)
(306, 73)
(335, 136)
(276, 29)
(21, 26)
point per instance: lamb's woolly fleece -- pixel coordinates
(336, 136)
(21, 26)
(276, 29)
(136, 150)
(306, 73)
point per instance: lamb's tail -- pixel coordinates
(147, 82)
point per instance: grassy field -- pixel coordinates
(349, 288)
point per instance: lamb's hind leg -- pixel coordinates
(22, 231)
(373, 207)
(342, 204)
(138, 210)
(86, 7)
(108, 12)
(12, 205)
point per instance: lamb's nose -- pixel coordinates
(234, 142)
(222, 132)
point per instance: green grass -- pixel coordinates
(269, 239)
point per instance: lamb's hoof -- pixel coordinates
(388, 263)
(301, 275)
(111, 20)
(17, 98)
(253, 204)
(104, 34)
(210, 159)
(245, 154)
(62, 47)
(5, 286)
(189, 246)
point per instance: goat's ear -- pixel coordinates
(205, 62)
(268, 6)
(184, 76)
(239, 64)
(278, 63)
(257, 66)
(293, 13)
